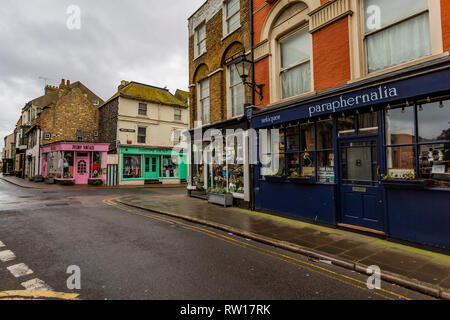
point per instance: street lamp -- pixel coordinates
(243, 67)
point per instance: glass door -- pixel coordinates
(360, 192)
(151, 167)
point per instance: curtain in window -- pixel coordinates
(296, 80)
(400, 43)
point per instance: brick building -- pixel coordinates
(62, 134)
(219, 34)
(358, 90)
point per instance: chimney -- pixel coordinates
(63, 82)
(123, 84)
(68, 82)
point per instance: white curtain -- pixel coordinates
(296, 80)
(400, 43)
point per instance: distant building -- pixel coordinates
(138, 123)
(8, 155)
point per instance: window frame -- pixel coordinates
(230, 87)
(138, 135)
(199, 41)
(140, 109)
(201, 99)
(176, 116)
(226, 18)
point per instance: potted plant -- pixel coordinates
(275, 177)
(95, 182)
(297, 179)
(50, 179)
(39, 179)
(405, 181)
(199, 191)
(31, 179)
(220, 196)
(66, 182)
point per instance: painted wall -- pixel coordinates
(160, 123)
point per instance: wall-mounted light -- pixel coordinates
(243, 67)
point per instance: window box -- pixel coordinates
(303, 180)
(404, 184)
(276, 179)
(225, 200)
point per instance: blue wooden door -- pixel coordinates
(360, 192)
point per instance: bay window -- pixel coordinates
(396, 32)
(295, 71)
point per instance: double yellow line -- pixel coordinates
(273, 254)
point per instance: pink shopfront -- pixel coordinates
(75, 161)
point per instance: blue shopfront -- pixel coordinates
(373, 157)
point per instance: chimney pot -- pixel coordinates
(63, 82)
(68, 82)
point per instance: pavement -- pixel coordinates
(421, 270)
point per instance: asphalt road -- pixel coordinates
(125, 253)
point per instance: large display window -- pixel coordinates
(132, 166)
(418, 142)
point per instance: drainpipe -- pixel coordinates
(252, 166)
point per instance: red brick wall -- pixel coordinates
(445, 17)
(262, 77)
(331, 55)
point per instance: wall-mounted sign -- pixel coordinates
(78, 147)
(127, 130)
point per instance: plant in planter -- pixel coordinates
(406, 180)
(67, 183)
(220, 196)
(50, 179)
(38, 179)
(95, 182)
(31, 179)
(275, 177)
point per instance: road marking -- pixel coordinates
(20, 270)
(36, 294)
(7, 255)
(1, 244)
(36, 284)
(273, 254)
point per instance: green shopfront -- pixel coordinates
(152, 166)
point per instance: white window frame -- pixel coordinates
(176, 116)
(198, 41)
(230, 94)
(146, 109)
(281, 70)
(200, 101)
(137, 134)
(227, 18)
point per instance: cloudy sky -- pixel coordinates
(140, 40)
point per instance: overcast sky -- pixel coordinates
(140, 40)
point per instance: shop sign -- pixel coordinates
(88, 148)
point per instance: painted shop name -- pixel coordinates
(377, 95)
(83, 148)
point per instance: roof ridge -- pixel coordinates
(147, 85)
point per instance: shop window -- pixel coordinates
(132, 168)
(237, 92)
(396, 32)
(400, 126)
(295, 69)
(232, 16)
(368, 123)
(430, 149)
(304, 155)
(96, 169)
(68, 165)
(169, 167)
(346, 126)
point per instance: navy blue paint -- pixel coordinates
(416, 86)
(420, 216)
(363, 209)
(314, 202)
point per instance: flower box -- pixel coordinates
(404, 184)
(303, 180)
(275, 179)
(197, 193)
(225, 200)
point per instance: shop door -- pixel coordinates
(81, 174)
(360, 193)
(151, 167)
